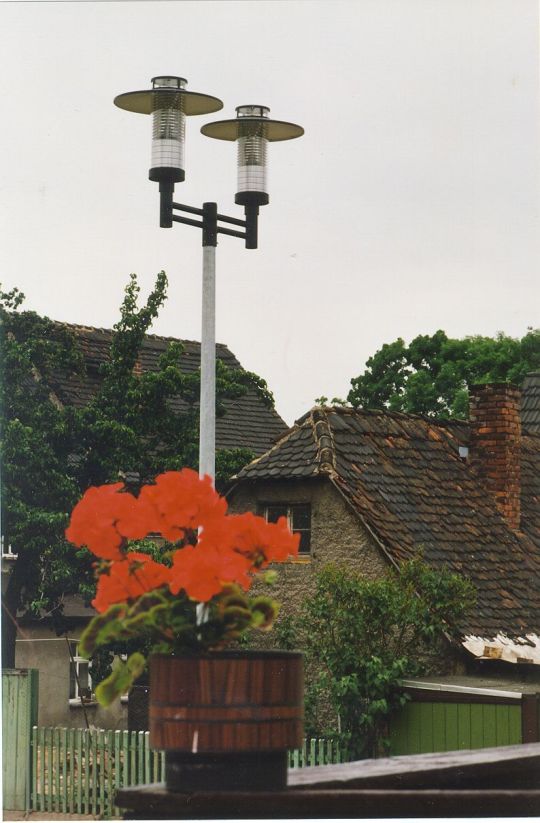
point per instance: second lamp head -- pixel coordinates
(252, 129)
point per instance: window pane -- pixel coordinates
(72, 681)
(84, 679)
(304, 547)
(273, 513)
(301, 517)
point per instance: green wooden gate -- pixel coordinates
(445, 727)
(19, 714)
(443, 719)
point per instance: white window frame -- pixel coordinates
(7, 554)
(124, 698)
(76, 660)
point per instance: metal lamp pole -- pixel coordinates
(207, 409)
(169, 102)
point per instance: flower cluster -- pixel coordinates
(210, 557)
(179, 507)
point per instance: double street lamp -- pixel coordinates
(169, 103)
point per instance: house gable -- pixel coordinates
(337, 535)
(406, 481)
(247, 423)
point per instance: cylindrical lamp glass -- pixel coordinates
(252, 165)
(168, 133)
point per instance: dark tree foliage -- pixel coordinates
(362, 636)
(432, 375)
(51, 453)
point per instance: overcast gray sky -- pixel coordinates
(411, 203)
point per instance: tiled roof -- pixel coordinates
(248, 422)
(530, 403)
(403, 476)
(530, 487)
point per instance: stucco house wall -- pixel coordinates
(41, 649)
(337, 536)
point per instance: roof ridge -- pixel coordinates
(397, 415)
(83, 327)
(324, 440)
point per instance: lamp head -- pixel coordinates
(169, 103)
(252, 130)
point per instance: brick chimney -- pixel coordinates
(495, 444)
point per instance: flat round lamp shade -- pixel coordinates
(142, 101)
(232, 129)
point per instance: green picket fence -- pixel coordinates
(317, 751)
(78, 771)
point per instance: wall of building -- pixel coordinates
(337, 536)
(41, 649)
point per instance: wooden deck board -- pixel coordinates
(498, 782)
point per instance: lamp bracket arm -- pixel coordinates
(187, 221)
(188, 209)
(210, 219)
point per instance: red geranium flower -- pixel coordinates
(195, 572)
(183, 501)
(202, 571)
(106, 516)
(253, 537)
(128, 578)
(229, 548)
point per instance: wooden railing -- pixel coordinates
(491, 782)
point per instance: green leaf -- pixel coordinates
(264, 611)
(121, 679)
(100, 630)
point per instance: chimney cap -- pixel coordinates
(505, 385)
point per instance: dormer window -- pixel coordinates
(298, 518)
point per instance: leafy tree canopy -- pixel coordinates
(363, 636)
(51, 453)
(432, 374)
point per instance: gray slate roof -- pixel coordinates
(530, 403)
(247, 423)
(404, 478)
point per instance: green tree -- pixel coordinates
(432, 374)
(363, 636)
(51, 453)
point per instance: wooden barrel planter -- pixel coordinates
(226, 719)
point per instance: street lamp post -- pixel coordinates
(170, 102)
